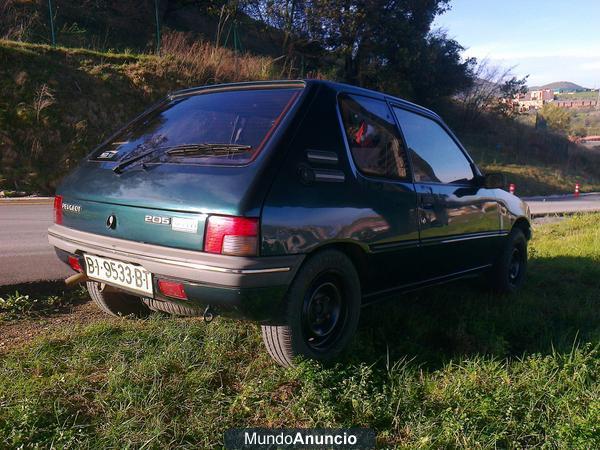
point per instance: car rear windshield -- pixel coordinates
(226, 127)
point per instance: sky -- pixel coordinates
(549, 40)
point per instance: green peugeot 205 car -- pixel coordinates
(289, 203)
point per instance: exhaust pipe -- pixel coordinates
(77, 278)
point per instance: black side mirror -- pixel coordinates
(494, 180)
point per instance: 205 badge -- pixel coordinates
(183, 224)
(157, 220)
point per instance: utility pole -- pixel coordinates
(52, 23)
(157, 26)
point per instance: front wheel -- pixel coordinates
(323, 308)
(508, 272)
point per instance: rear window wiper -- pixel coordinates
(207, 149)
(127, 162)
(187, 150)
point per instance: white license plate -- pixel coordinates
(118, 273)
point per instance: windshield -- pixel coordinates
(240, 121)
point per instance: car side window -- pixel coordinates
(434, 154)
(374, 141)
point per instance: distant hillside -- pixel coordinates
(566, 86)
(56, 104)
(130, 27)
(487, 85)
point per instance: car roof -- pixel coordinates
(338, 87)
(350, 89)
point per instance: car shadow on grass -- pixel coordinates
(558, 306)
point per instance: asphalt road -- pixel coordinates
(563, 204)
(25, 254)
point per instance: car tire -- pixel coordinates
(508, 272)
(172, 308)
(116, 303)
(322, 311)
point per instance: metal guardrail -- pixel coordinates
(26, 200)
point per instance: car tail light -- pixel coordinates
(172, 289)
(75, 264)
(231, 236)
(58, 217)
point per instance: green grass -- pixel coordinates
(586, 120)
(587, 95)
(536, 174)
(539, 162)
(445, 367)
(40, 299)
(530, 179)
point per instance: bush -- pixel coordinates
(557, 118)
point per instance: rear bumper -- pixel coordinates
(251, 288)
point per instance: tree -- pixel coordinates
(493, 89)
(288, 16)
(381, 44)
(388, 45)
(509, 90)
(440, 71)
(557, 119)
(299, 50)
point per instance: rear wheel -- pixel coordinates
(323, 308)
(116, 303)
(508, 272)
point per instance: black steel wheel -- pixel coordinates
(514, 267)
(324, 312)
(508, 272)
(323, 308)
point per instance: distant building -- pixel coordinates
(533, 99)
(544, 95)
